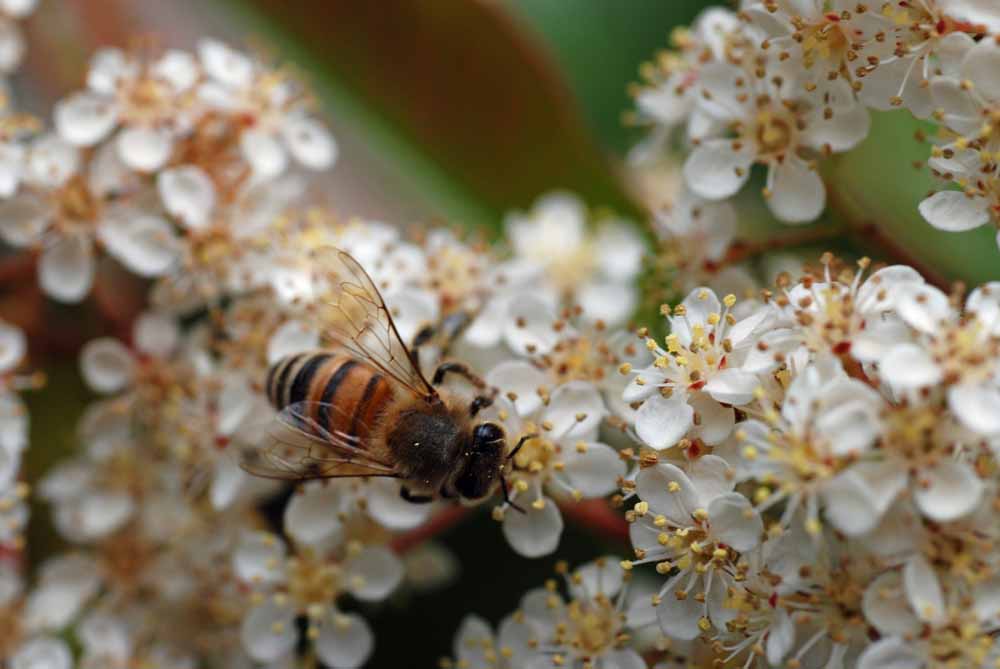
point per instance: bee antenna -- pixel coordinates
(506, 495)
(520, 443)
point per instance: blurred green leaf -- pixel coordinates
(599, 46)
(467, 105)
(876, 190)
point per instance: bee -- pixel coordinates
(365, 408)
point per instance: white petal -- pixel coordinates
(981, 12)
(609, 302)
(13, 346)
(310, 516)
(886, 608)
(109, 69)
(891, 653)
(909, 366)
(848, 504)
(523, 380)
(735, 522)
(947, 491)
(388, 508)
(575, 410)
(188, 194)
(311, 143)
(528, 328)
(412, 309)
(669, 492)
(66, 270)
(346, 643)
(374, 573)
(156, 334)
(23, 218)
(96, 515)
(842, 132)
(924, 591)
(52, 161)
(780, 638)
(144, 149)
(227, 482)
(472, 640)
(662, 422)
(987, 599)
(259, 558)
(797, 192)
(13, 434)
(106, 637)
(977, 406)
(224, 64)
(84, 119)
(106, 364)
(264, 153)
(732, 386)
(42, 653)
(536, 532)
(147, 245)
(178, 68)
(711, 476)
(981, 65)
(594, 471)
(19, 9)
(679, 617)
(603, 577)
(923, 307)
(716, 171)
(622, 659)
(955, 211)
(269, 631)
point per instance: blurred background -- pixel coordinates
(457, 111)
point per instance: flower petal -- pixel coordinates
(661, 422)
(146, 245)
(715, 170)
(669, 492)
(955, 211)
(346, 643)
(948, 490)
(188, 194)
(84, 119)
(107, 366)
(66, 270)
(909, 366)
(797, 192)
(536, 532)
(374, 573)
(734, 521)
(732, 386)
(310, 516)
(269, 632)
(310, 142)
(144, 149)
(977, 406)
(593, 468)
(923, 590)
(388, 508)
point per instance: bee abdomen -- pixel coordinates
(345, 395)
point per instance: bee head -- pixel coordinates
(483, 459)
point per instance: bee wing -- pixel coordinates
(358, 320)
(297, 448)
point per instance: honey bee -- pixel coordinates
(367, 409)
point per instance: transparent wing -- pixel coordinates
(297, 448)
(356, 317)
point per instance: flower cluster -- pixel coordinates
(802, 460)
(784, 85)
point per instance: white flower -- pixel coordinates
(149, 100)
(589, 629)
(691, 519)
(275, 112)
(922, 621)
(830, 45)
(559, 456)
(43, 653)
(692, 384)
(65, 584)
(309, 584)
(774, 125)
(595, 271)
(668, 97)
(825, 422)
(65, 208)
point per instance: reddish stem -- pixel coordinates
(596, 515)
(438, 523)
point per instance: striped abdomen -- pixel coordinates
(356, 392)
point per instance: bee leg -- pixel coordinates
(405, 493)
(520, 443)
(479, 402)
(447, 331)
(506, 495)
(462, 370)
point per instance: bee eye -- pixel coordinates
(487, 432)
